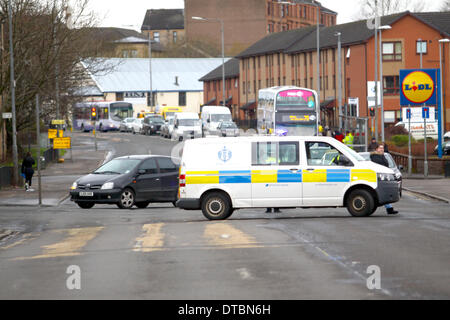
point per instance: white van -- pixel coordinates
(221, 175)
(212, 116)
(187, 125)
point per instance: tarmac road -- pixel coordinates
(165, 253)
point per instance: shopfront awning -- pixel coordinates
(327, 104)
(251, 105)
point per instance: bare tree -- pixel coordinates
(445, 5)
(369, 8)
(49, 41)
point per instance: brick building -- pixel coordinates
(166, 26)
(290, 58)
(246, 22)
(213, 88)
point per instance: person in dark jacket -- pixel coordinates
(373, 145)
(27, 170)
(378, 157)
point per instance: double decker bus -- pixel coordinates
(288, 110)
(110, 114)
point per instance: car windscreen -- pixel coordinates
(220, 117)
(156, 121)
(188, 122)
(118, 166)
(228, 125)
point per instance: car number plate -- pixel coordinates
(86, 194)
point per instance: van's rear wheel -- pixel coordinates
(360, 203)
(216, 206)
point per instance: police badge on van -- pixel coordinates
(225, 155)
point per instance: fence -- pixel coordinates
(436, 166)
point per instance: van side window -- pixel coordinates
(288, 153)
(264, 153)
(321, 154)
(274, 153)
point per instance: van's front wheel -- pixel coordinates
(360, 203)
(216, 206)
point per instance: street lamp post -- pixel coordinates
(13, 99)
(150, 68)
(442, 129)
(223, 51)
(338, 34)
(381, 80)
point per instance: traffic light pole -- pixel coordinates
(95, 134)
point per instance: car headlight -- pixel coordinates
(386, 177)
(108, 186)
(398, 175)
(74, 186)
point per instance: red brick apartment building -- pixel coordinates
(289, 58)
(248, 21)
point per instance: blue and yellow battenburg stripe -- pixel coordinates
(279, 176)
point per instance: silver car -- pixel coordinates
(392, 165)
(228, 129)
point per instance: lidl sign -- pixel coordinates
(419, 87)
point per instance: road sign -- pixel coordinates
(7, 115)
(53, 133)
(58, 122)
(62, 143)
(408, 113)
(416, 114)
(426, 113)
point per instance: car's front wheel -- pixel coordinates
(127, 199)
(360, 203)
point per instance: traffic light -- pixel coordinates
(372, 111)
(94, 114)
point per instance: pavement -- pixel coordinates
(435, 187)
(57, 178)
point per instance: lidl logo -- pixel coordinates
(418, 87)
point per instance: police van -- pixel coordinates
(221, 175)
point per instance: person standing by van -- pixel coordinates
(27, 169)
(378, 157)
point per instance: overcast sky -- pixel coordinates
(119, 13)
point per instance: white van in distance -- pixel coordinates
(221, 175)
(186, 125)
(212, 116)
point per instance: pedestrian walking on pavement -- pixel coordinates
(378, 157)
(27, 170)
(348, 140)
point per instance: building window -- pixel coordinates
(392, 51)
(421, 47)
(391, 85)
(175, 36)
(182, 99)
(119, 96)
(156, 36)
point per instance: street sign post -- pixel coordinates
(62, 143)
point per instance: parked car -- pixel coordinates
(392, 165)
(136, 126)
(166, 129)
(445, 145)
(228, 129)
(152, 125)
(125, 124)
(187, 125)
(129, 181)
